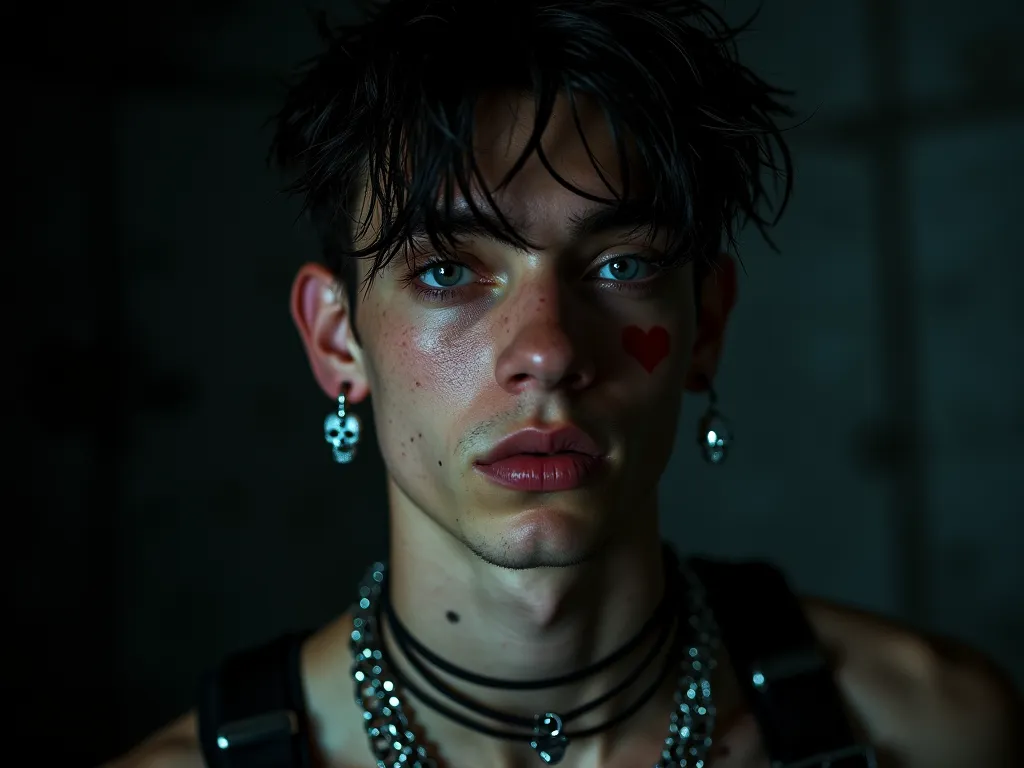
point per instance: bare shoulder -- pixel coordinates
(336, 738)
(174, 746)
(926, 701)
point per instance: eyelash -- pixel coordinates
(440, 294)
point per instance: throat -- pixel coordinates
(584, 713)
(538, 702)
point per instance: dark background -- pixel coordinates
(171, 497)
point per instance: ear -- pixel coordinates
(319, 307)
(717, 298)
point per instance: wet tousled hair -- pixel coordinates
(391, 103)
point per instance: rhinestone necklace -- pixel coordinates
(395, 745)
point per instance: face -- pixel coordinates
(583, 331)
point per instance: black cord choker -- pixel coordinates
(663, 616)
(547, 733)
(380, 686)
(552, 739)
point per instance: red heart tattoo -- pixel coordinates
(648, 348)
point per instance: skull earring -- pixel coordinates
(341, 429)
(714, 435)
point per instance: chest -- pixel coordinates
(739, 746)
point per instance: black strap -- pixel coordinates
(252, 711)
(781, 667)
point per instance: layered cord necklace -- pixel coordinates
(380, 687)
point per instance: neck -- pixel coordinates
(527, 625)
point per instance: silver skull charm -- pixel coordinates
(549, 739)
(343, 436)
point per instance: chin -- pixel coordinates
(546, 537)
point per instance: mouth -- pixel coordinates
(566, 440)
(538, 460)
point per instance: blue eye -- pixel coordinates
(625, 268)
(445, 274)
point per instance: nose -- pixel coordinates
(541, 352)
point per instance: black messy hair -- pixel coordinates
(390, 104)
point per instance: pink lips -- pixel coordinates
(539, 460)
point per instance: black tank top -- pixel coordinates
(252, 711)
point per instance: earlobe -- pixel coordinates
(319, 308)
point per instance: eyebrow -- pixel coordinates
(463, 223)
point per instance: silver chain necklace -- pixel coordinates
(395, 745)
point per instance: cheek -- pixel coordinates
(650, 347)
(654, 348)
(429, 361)
(654, 339)
(424, 375)
(653, 359)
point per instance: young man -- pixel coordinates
(523, 206)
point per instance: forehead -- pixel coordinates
(559, 189)
(578, 145)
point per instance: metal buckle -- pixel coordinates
(252, 730)
(826, 759)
